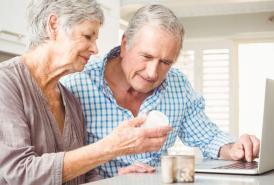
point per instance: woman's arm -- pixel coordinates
(128, 138)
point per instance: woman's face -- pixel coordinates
(73, 49)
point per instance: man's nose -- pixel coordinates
(151, 70)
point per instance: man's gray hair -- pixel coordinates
(68, 12)
(157, 15)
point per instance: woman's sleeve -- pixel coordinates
(19, 164)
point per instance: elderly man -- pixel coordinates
(137, 77)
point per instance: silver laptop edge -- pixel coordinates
(265, 161)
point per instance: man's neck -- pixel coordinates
(123, 93)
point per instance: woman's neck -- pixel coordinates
(43, 68)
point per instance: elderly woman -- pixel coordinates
(41, 123)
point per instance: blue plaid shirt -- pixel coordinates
(174, 97)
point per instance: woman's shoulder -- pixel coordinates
(9, 69)
(10, 63)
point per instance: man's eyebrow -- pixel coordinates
(144, 53)
(165, 60)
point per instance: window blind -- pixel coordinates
(216, 85)
(185, 63)
(212, 68)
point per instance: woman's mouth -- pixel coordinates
(85, 58)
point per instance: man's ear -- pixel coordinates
(123, 46)
(52, 27)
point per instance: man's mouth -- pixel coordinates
(148, 79)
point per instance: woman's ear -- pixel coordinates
(52, 27)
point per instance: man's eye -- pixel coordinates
(147, 57)
(87, 37)
(166, 62)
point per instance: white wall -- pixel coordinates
(256, 63)
(12, 26)
(227, 26)
(109, 33)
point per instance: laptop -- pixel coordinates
(265, 162)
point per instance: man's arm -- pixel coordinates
(198, 130)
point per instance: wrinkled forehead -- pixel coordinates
(158, 37)
(157, 31)
(154, 39)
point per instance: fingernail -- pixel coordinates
(141, 171)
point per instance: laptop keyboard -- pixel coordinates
(240, 165)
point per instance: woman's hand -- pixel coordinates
(130, 138)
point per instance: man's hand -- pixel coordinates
(136, 168)
(245, 148)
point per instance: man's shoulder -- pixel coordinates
(175, 75)
(178, 82)
(92, 71)
(94, 64)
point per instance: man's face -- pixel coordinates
(148, 58)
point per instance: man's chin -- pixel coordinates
(144, 89)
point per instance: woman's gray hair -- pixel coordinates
(68, 12)
(157, 15)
